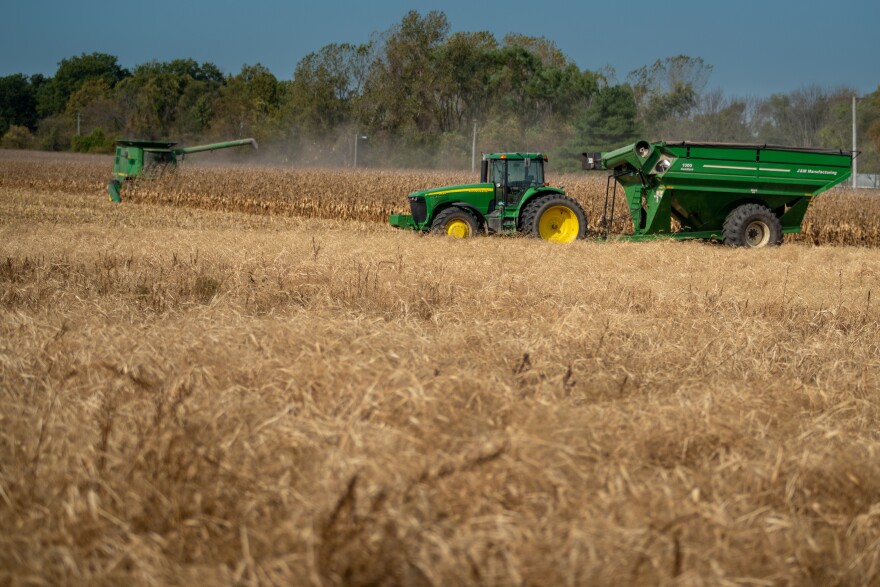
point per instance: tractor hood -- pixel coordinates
(451, 190)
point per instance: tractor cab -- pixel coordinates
(512, 174)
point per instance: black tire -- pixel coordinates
(551, 209)
(753, 226)
(455, 222)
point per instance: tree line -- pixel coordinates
(416, 92)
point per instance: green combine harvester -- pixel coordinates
(745, 195)
(150, 159)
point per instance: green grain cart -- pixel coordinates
(148, 159)
(512, 196)
(745, 195)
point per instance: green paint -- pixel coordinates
(508, 182)
(699, 184)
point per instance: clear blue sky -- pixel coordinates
(756, 47)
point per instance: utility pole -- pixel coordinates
(78, 118)
(855, 183)
(357, 136)
(474, 150)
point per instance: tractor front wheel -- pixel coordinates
(753, 226)
(557, 219)
(455, 222)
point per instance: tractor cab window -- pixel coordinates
(525, 173)
(496, 171)
(512, 177)
(516, 173)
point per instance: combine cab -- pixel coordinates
(512, 197)
(148, 159)
(745, 195)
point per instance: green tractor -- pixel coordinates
(512, 197)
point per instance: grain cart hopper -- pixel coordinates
(511, 197)
(745, 195)
(151, 159)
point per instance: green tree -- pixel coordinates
(795, 118)
(402, 87)
(668, 90)
(54, 133)
(511, 83)
(148, 100)
(465, 63)
(17, 137)
(18, 103)
(94, 142)
(72, 74)
(610, 121)
(544, 49)
(325, 86)
(249, 103)
(169, 99)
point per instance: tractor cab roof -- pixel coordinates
(515, 156)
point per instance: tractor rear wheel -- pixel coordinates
(752, 226)
(554, 218)
(455, 222)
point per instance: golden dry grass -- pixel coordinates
(214, 398)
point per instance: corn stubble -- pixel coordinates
(222, 397)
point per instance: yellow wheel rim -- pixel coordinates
(559, 224)
(458, 229)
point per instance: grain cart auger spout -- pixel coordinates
(745, 195)
(511, 197)
(149, 159)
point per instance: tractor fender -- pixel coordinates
(539, 193)
(465, 205)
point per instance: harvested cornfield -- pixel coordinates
(841, 216)
(194, 397)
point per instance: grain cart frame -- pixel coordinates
(150, 159)
(512, 197)
(745, 195)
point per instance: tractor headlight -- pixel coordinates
(663, 166)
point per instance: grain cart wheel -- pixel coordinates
(753, 226)
(455, 222)
(554, 218)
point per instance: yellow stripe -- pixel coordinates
(459, 191)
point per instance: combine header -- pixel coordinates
(151, 159)
(745, 195)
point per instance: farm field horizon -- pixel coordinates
(240, 376)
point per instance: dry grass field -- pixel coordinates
(198, 390)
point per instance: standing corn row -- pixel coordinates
(842, 216)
